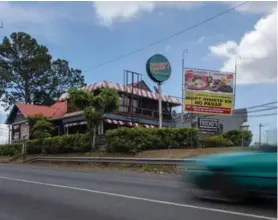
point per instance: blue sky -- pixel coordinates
(88, 34)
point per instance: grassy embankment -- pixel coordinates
(171, 153)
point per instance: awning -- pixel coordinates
(149, 126)
(125, 123)
(112, 121)
(76, 124)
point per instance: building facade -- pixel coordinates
(219, 123)
(138, 107)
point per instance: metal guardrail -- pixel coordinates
(122, 160)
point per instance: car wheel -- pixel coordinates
(225, 190)
(219, 188)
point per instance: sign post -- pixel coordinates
(160, 105)
(159, 70)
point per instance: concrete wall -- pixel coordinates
(4, 134)
(229, 122)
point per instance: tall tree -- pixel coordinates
(60, 78)
(28, 75)
(94, 106)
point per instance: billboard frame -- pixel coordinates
(184, 68)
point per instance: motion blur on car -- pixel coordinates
(233, 176)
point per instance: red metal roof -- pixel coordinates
(126, 89)
(56, 110)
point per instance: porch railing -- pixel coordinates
(149, 113)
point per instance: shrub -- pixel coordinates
(76, 143)
(134, 140)
(10, 149)
(235, 136)
(216, 141)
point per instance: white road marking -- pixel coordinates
(140, 198)
(137, 179)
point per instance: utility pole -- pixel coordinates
(185, 51)
(266, 136)
(237, 57)
(260, 132)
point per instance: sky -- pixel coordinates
(88, 34)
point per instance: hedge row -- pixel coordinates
(217, 141)
(134, 140)
(10, 149)
(131, 140)
(76, 143)
(236, 137)
(231, 138)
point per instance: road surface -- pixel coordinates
(34, 192)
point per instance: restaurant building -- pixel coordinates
(138, 107)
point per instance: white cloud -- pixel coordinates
(111, 12)
(258, 52)
(226, 49)
(38, 19)
(255, 7)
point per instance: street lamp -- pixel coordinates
(243, 127)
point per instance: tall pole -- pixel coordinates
(266, 136)
(159, 105)
(260, 132)
(183, 86)
(1, 25)
(237, 57)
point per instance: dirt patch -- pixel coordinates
(171, 153)
(184, 153)
(4, 159)
(110, 167)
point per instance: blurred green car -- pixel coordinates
(234, 176)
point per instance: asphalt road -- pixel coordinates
(32, 192)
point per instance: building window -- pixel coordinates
(15, 132)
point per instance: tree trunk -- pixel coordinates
(94, 140)
(43, 148)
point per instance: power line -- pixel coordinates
(264, 115)
(250, 107)
(262, 105)
(169, 37)
(262, 110)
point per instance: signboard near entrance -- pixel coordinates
(159, 70)
(208, 125)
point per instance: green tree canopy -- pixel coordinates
(29, 75)
(236, 137)
(42, 129)
(94, 106)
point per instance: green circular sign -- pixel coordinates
(158, 68)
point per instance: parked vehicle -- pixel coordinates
(234, 176)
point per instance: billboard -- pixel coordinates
(208, 92)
